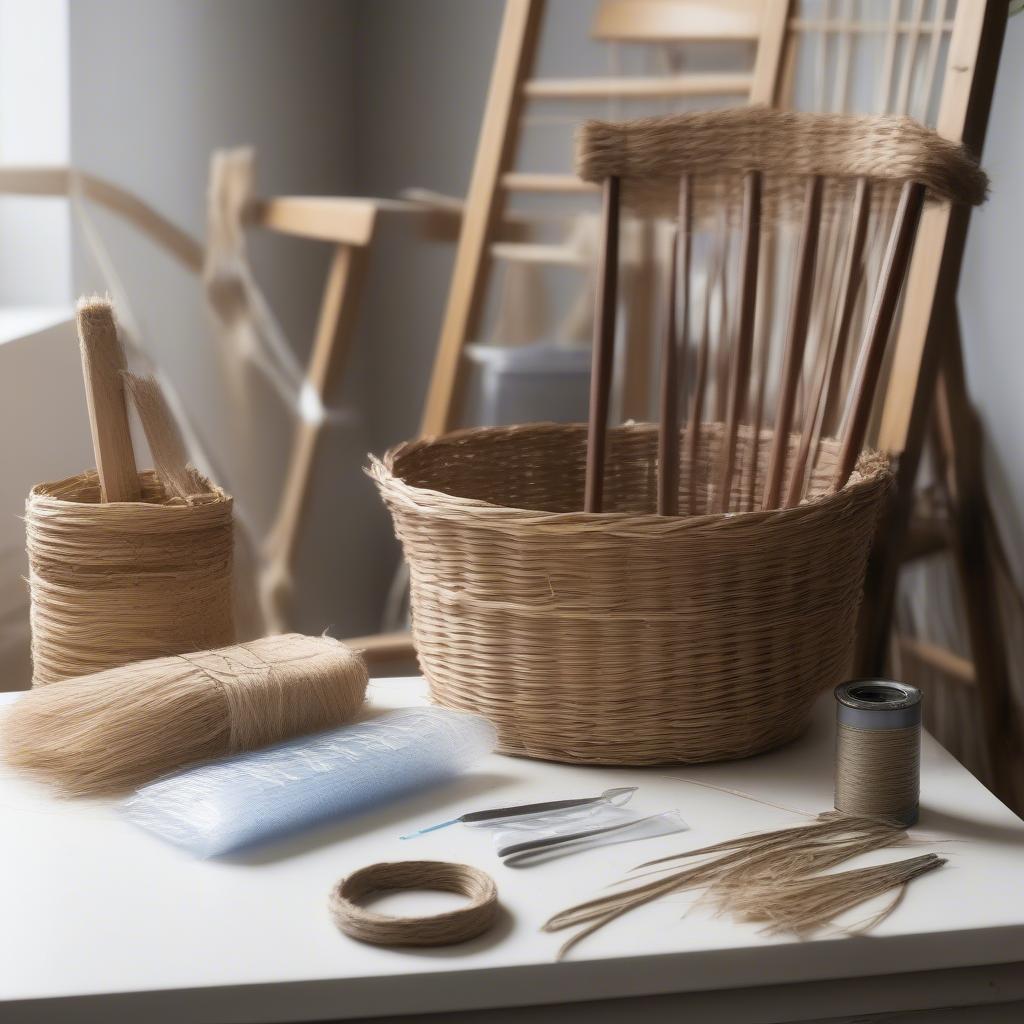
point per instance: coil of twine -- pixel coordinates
(443, 929)
(118, 582)
(123, 727)
(878, 750)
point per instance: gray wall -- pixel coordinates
(992, 300)
(156, 86)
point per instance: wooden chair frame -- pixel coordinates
(924, 342)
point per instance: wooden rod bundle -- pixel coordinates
(831, 366)
(703, 161)
(883, 312)
(103, 366)
(602, 363)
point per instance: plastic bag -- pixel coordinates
(267, 794)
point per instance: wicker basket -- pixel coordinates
(625, 637)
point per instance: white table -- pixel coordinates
(98, 921)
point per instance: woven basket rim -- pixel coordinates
(873, 470)
(43, 495)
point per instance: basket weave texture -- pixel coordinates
(118, 582)
(625, 637)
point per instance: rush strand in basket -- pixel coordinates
(557, 589)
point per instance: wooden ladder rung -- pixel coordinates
(539, 252)
(638, 87)
(384, 647)
(532, 181)
(956, 667)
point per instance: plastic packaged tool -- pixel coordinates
(530, 833)
(524, 852)
(534, 815)
(267, 794)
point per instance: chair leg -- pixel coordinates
(329, 356)
(961, 437)
(961, 441)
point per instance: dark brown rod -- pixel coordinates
(675, 337)
(604, 347)
(796, 340)
(739, 386)
(699, 389)
(668, 419)
(722, 348)
(832, 366)
(880, 320)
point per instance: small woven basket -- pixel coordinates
(113, 583)
(624, 637)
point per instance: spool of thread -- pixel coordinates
(878, 749)
(124, 727)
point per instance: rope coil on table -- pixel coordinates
(442, 929)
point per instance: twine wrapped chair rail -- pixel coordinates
(718, 148)
(680, 592)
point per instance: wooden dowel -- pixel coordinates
(722, 348)
(668, 419)
(765, 311)
(912, 37)
(604, 348)
(750, 248)
(103, 364)
(699, 387)
(675, 338)
(883, 312)
(796, 342)
(832, 366)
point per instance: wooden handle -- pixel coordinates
(103, 364)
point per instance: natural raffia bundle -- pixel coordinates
(120, 728)
(126, 565)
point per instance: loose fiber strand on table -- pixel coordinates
(730, 871)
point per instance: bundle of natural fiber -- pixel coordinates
(717, 148)
(120, 728)
(772, 877)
